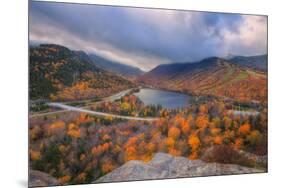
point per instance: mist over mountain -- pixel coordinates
(117, 68)
(256, 62)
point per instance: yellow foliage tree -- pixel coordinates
(34, 155)
(56, 127)
(73, 131)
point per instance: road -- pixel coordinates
(246, 113)
(116, 96)
(112, 98)
(77, 109)
(106, 99)
(47, 113)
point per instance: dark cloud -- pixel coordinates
(146, 37)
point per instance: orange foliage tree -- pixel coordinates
(107, 165)
(218, 140)
(174, 133)
(56, 127)
(100, 149)
(170, 142)
(203, 109)
(64, 179)
(239, 142)
(202, 122)
(244, 129)
(194, 142)
(130, 149)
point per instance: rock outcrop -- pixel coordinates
(166, 166)
(40, 179)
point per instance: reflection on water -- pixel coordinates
(167, 99)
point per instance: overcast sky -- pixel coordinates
(146, 38)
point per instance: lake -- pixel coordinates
(166, 99)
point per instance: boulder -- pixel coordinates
(164, 166)
(41, 179)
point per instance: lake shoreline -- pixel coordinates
(164, 98)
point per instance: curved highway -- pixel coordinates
(77, 109)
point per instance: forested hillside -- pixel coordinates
(58, 73)
(212, 76)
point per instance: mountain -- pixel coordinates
(211, 76)
(117, 68)
(58, 73)
(164, 166)
(254, 62)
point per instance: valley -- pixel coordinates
(129, 93)
(86, 121)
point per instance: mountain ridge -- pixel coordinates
(58, 73)
(211, 76)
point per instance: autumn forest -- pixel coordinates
(90, 115)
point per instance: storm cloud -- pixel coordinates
(146, 38)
